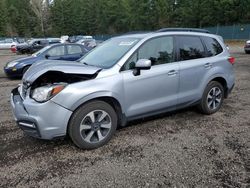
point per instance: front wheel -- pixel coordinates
(212, 98)
(93, 125)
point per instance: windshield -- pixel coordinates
(41, 51)
(109, 53)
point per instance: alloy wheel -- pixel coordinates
(214, 98)
(95, 126)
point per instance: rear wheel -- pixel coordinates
(93, 125)
(212, 98)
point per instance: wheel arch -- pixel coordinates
(111, 100)
(223, 82)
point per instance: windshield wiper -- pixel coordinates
(90, 65)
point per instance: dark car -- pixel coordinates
(54, 40)
(247, 47)
(32, 46)
(68, 52)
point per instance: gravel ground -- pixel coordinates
(179, 149)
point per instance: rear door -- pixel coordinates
(74, 52)
(193, 66)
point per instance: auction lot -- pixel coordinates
(179, 149)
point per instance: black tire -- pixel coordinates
(81, 114)
(25, 69)
(210, 105)
(247, 52)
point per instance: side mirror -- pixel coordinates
(141, 64)
(47, 56)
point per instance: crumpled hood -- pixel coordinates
(38, 69)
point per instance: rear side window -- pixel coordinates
(190, 47)
(213, 46)
(74, 49)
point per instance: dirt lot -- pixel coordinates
(180, 149)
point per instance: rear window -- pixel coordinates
(190, 47)
(213, 46)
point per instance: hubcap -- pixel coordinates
(95, 126)
(214, 98)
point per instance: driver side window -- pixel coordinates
(159, 51)
(57, 51)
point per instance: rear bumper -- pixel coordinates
(40, 120)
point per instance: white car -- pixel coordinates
(7, 43)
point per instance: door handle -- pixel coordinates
(208, 65)
(172, 73)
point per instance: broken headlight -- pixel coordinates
(44, 93)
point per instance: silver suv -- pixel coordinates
(127, 77)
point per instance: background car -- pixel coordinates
(247, 47)
(67, 52)
(7, 43)
(32, 46)
(89, 43)
(54, 40)
(76, 38)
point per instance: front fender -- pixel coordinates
(95, 95)
(79, 93)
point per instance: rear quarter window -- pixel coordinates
(213, 46)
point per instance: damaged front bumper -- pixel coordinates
(41, 120)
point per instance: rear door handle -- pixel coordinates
(172, 73)
(208, 65)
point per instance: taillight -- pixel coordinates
(231, 60)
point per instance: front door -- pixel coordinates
(155, 89)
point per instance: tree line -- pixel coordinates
(39, 18)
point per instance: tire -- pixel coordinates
(25, 69)
(86, 129)
(212, 98)
(247, 52)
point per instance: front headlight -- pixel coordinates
(44, 93)
(12, 64)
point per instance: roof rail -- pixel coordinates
(183, 29)
(136, 32)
